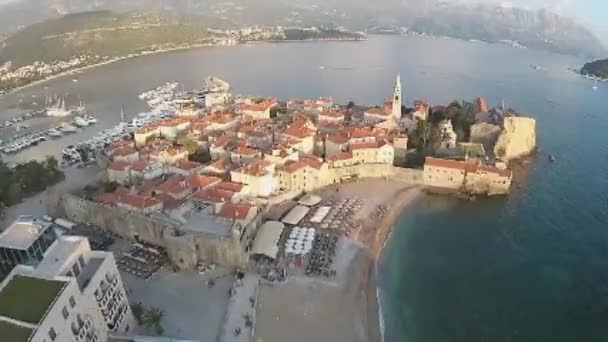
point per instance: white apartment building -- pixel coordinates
(73, 294)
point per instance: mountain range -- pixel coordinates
(531, 28)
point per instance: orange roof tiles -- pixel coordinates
(200, 181)
(377, 111)
(246, 151)
(213, 195)
(146, 129)
(220, 164)
(230, 186)
(332, 113)
(256, 168)
(451, 164)
(367, 145)
(259, 107)
(141, 165)
(138, 201)
(338, 139)
(187, 165)
(234, 211)
(340, 156)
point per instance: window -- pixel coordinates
(75, 270)
(73, 301)
(64, 312)
(52, 334)
(81, 261)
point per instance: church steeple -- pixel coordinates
(397, 99)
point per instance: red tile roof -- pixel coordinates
(221, 164)
(338, 139)
(140, 165)
(200, 181)
(246, 151)
(367, 145)
(377, 111)
(332, 113)
(175, 185)
(259, 107)
(187, 165)
(234, 211)
(213, 195)
(451, 164)
(256, 168)
(230, 186)
(340, 156)
(495, 170)
(138, 201)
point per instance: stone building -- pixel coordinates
(466, 176)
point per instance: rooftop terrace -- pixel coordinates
(22, 233)
(14, 333)
(27, 299)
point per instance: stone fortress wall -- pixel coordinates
(187, 249)
(517, 139)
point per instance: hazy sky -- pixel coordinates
(593, 13)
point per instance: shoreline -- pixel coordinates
(159, 52)
(401, 201)
(110, 61)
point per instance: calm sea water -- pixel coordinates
(530, 267)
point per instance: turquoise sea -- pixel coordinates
(529, 267)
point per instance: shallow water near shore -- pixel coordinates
(529, 267)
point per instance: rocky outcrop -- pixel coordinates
(485, 134)
(517, 139)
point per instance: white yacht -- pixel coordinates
(67, 128)
(56, 108)
(54, 132)
(81, 122)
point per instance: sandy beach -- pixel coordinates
(343, 308)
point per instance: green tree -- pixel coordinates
(152, 319)
(201, 156)
(422, 134)
(138, 312)
(274, 112)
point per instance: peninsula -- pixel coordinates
(57, 46)
(294, 197)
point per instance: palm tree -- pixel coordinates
(152, 318)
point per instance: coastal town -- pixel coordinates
(13, 76)
(242, 218)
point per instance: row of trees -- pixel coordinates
(150, 318)
(462, 115)
(27, 179)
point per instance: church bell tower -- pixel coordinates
(397, 99)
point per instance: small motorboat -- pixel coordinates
(552, 158)
(54, 133)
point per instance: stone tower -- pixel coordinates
(397, 99)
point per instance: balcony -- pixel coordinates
(82, 329)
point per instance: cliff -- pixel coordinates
(485, 134)
(517, 139)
